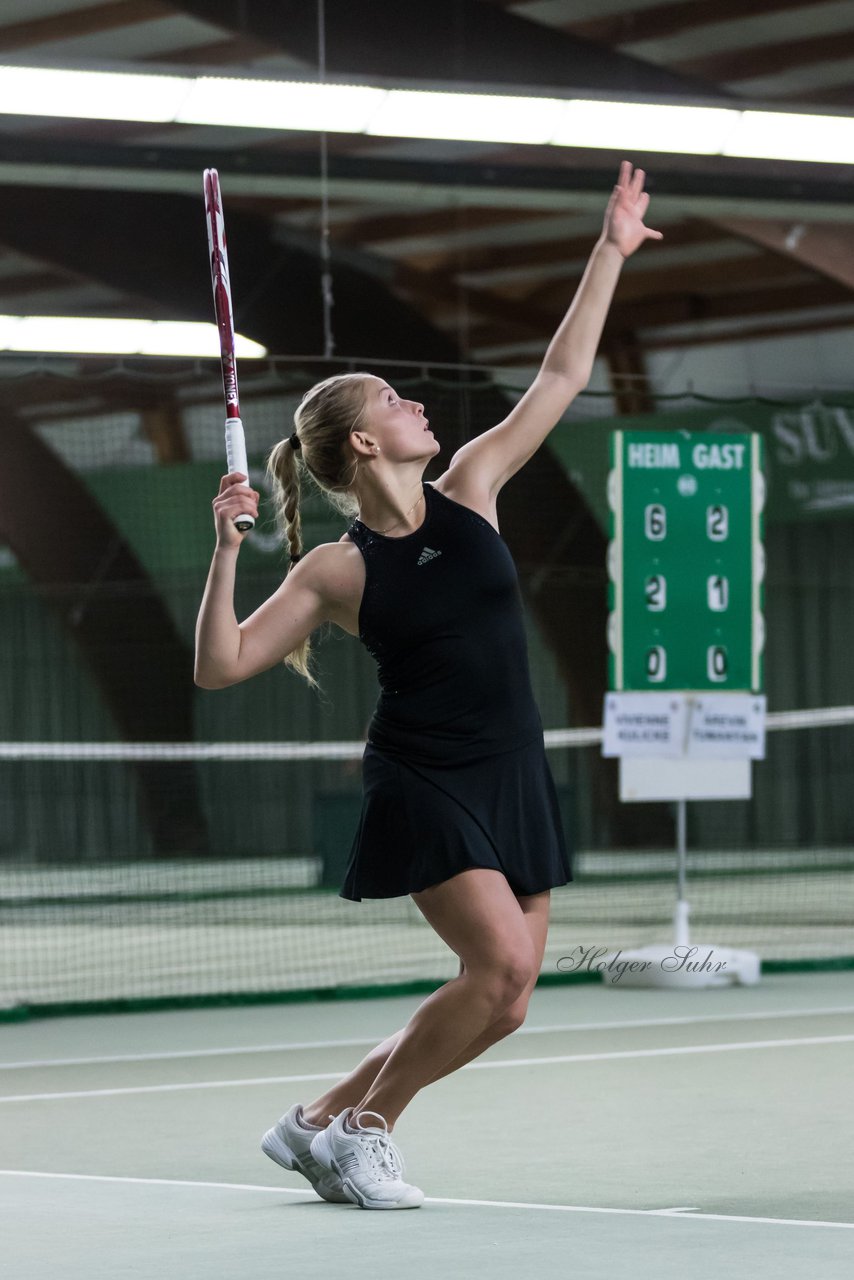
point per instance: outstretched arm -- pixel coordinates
(492, 458)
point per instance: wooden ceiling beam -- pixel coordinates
(761, 331)
(237, 48)
(662, 20)
(387, 228)
(561, 249)
(24, 282)
(690, 308)
(538, 313)
(684, 186)
(825, 248)
(78, 386)
(707, 279)
(462, 40)
(733, 335)
(835, 95)
(429, 288)
(769, 59)
(81, 22)
(275, 206)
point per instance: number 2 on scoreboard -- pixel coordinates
(655, 591)
(717, 523)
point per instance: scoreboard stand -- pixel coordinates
(685, 713)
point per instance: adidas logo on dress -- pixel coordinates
(428, 553)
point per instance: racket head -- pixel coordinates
(221, 283)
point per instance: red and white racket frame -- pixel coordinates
(235, 441)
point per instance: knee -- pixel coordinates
(508, 979)
(511, 1019)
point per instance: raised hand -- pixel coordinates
(623, 225)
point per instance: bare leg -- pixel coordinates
(537, 919)
(500, 940)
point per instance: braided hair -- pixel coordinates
(317, 449)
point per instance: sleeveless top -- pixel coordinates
(441, 614)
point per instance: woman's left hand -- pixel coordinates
(624, 215)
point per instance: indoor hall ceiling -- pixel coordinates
(482, 243)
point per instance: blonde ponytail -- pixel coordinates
(284, 477)
(324, 419)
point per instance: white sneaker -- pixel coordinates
(289, 1142)
(368, 1163)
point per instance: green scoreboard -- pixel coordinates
(686, 562)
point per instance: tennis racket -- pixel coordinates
(235, 441)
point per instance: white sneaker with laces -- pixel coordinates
(289, 1142)
(366, 1160)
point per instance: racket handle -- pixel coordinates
(235, 453)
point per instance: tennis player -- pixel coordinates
(459, 805)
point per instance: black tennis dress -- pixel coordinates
(454, 772)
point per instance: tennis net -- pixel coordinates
(160, 842)
(95, 913)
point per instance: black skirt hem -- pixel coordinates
(475, 866)
(421, 826)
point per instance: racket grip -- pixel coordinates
(235, 454)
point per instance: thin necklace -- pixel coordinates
(402, 518)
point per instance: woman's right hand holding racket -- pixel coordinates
(234, 499)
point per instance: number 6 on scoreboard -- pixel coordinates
(235, 442)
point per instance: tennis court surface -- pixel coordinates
(619, 1133)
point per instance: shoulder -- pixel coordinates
(462, 486)
(330, 566)
(335, 572)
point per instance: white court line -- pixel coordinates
(669, 1051)
(234, 1051)
(167, 1055)
(490, 1204)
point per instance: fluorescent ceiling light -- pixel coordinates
(90, 95)
(277, 104)
(87, 335)
(410, 113)
(645, 126)
(470, 117)
(772, 135)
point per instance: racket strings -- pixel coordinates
(326, 287)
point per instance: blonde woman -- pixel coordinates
(459, 806)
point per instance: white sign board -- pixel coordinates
(727, 726)
(684, 779)
(684, 745)
(645, 724)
